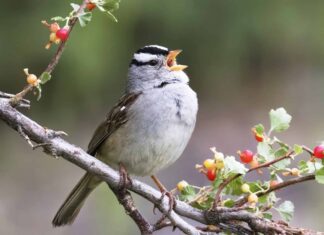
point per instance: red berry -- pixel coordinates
(246, 156)
(63, 33)
(258, 137)
(319, 151)
(90, 6)
(211, 174)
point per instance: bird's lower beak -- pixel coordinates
(171, 61)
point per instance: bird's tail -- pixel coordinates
(72, 205)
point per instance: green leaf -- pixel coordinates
(39, 89)
(279, 120)
(108, 6)
(111, 16)
(319, 176)
(259, 129)
(233, 167)
(229, 203)
(309, 167)
(85, 18)
(298, 149)
(281, 152)
(187, 194)
(234, 188)
(267, 215)
(45, 77)
(75, 7)
(265, 150)
(286, 210)
(58, 18)
(217, 181)
(111, 5)
(281, 165)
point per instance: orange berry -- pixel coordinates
(90, 6)
(253, 198)
(209, 164)
(54, 27)
(254, 163)
(32, 79)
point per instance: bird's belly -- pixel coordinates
(155, 136)
(145, 152)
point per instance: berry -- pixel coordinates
(54, 27)
(32, 79)
(273, 183)
(219, 164)
(90, 6)
(209, 164)
(258, 137)
(245, 188)
(211, 174)
(246, 156)
(254, 163)
(295, 172)
(319, 151)
(63, 33)
(53, 38)
(253, 198)
(182, 185)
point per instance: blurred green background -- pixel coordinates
(244, 57)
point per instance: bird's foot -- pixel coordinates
(172, 205)
(125, 180)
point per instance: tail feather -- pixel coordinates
(74, 202)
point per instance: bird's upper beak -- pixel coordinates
(171, 61)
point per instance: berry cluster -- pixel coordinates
(57, 34)
(229, 188)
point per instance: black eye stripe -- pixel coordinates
(153, 51)
(138, 63)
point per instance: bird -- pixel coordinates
(147, 130)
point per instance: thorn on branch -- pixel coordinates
(54, 134)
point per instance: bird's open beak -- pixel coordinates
(171, 61)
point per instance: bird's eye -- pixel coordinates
(153, 62)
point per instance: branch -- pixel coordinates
(224, 218)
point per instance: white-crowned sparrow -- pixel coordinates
(149, 127)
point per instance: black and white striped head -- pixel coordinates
(154, 65)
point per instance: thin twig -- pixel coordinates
(54, 61)
(281, 185)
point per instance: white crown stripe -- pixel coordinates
(144, 57)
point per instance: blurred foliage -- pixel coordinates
(244, 57)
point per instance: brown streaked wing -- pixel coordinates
(116, 118)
